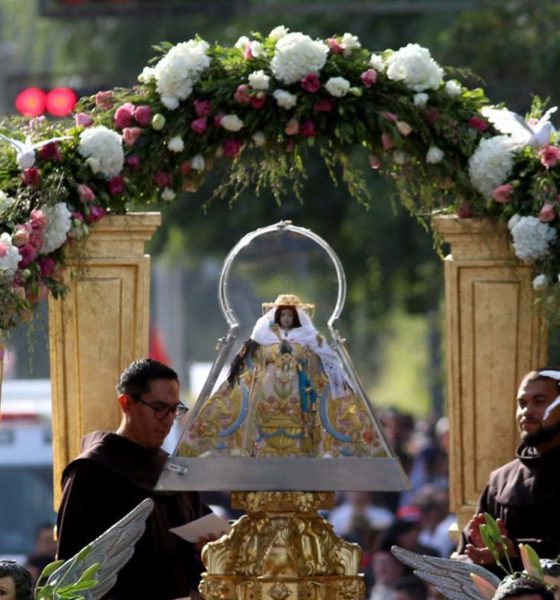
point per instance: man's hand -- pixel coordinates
(477, 550)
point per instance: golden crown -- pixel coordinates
(289, 300)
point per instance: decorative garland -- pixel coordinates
(261, 105)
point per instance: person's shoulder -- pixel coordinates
(505, 470)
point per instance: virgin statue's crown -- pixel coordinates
(288, 300)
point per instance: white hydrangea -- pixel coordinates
(256, 49)
(176, 144)
(377, 62)
(296, 55)
(278, 33)
(231, 122)
(5, 202)
(167, 194)
(337, 86)
(59, 222)
(491, 164)
(434, 155)
(284, 99)
(9, 256)
(421, 99)
(531, 238)
(540, 282)
(104, 146)
(179, 70)
(453, 88)
(415, 67)
(148, 74)
(197, 162)
(259, 80)
(349, 42)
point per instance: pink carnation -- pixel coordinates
(391, 117)
(104, 100)
(478, 123)
(82, 120)
(85, 192)
(258, 101)
(248, 53)
(242, 94)
(502, 193)
(47, 266)
(143, 115)
(202, 108)
(38, 219)
(131, 134)
(547, 213)
(387, 141)
(162, 179)
(36, 238)
(124, 115)
(116, 185)
(4, 246)
(27, 253)
(96, 213)
(308, 128)
(549, 156)
(323, 105)
(369, 77)
(185, 167)
(199, 125)
(465, 211)
(231, 147)
(133, 161)
(31, 177)
(334, 46)
(311, 83)
(50, 151)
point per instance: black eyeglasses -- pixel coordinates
(162, 410)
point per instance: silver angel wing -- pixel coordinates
(25, 151)
(508, 122)
(112, 550)
(451, 578)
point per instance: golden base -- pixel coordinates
(282, 550)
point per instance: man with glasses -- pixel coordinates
(116, 471)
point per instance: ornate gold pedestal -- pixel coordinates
(282, 550)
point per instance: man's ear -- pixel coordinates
(125, 402)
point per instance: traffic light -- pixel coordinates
(57, 102)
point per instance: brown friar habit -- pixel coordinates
(109, 478)
(525, 494)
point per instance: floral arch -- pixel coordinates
(261, 105)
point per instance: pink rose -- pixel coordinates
(124, 115)
(36, 238)
(143, 115)
(311, 83)
(131, 134)
(85, 192)
(46, 266)
(547, 213)
(27, 253)
(391, 117)
(323, 105)
(185, 167)
(478, 123)
(308, 128)
(133, 161)
(258, 101)
(369, 77)
(218, 120)
(104, 100)
(231, 147)
(50, 151)
(21, 234)
(334, 46)
(96, 213)
(292, 127)
(162, 179)
(465, 211)
(549, 156)
(502, 193)
(202, 108)
(82, 120)
(31, 177)
(374, 162)
(387, 141)
(199, 125)
(242, 94)
(116, 185)
(38, 218)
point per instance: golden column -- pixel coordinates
(494, 336)
(100, 326)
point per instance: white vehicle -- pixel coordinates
(26, 496)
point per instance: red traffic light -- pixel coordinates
(58, 102)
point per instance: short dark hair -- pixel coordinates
(21, 576)
(136, 378)
(514, 587)
(410, 584)
(296, 323)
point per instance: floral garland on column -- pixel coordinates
(261, 105)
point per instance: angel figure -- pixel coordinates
(286, 395)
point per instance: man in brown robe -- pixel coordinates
(524, 495)
(118, 470)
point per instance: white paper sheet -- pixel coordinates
(205, 527)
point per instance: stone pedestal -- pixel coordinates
(494, 336)
(100, 326)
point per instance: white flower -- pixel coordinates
(176, 144)
(296, 55)
(399, 157)
(242, 42)
(167, 194)
(337, 86)
(148, 74)
(231, 122)
(179, 70)
(104, 146)
(349, 42)
(259, 80)
(531, 238)
(59, 222)
(421, 99)
(259, 139)
(9, 256)
(256, 49)
(453, 88)
(415, 67)
(540, 283)
(284, 99)
(278, 33)
(377, 62)
(5, 202)
(197, 162)
(434, 155)
(491, 164)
